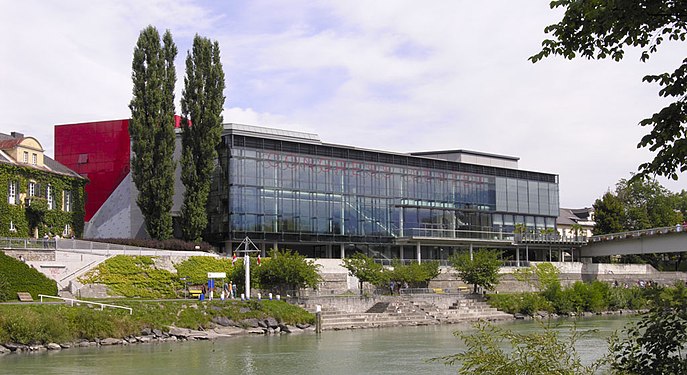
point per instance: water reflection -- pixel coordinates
(375, 351)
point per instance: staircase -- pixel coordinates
(467, 308)
(403, 311)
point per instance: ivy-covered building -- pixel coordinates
(42, 196)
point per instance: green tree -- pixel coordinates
(647, 204)
(287, 271)
(609, 214)
(543, 276)
(416, 275)
(655, 344)
(604, 29)
(494, 350)
(202, 103)
(480, 270)
(152, 129)
(365, 269)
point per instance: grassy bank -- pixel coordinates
(41, 324)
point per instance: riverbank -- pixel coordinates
(58, 326)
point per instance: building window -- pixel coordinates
(68, 201)
(12, 227)
(25, 159)
(12, 193)
(34, 159)
(48, 196)
(67, 231)
(32, 189)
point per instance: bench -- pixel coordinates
(438, 291)
(24, 297)
(195, 293)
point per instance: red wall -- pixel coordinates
(106, 147)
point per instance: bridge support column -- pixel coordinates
(418, 253)
(517, 256)
(342, 251)
(401, 250)
(471, 258)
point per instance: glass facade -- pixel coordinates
(276, 190)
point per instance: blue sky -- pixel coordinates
(385, 74)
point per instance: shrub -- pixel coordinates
(134, 276)
(524, 303)
(171, 244)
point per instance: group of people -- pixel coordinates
(229, 291)
(396, 286)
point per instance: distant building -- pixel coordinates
(43, 196)
(289, 189)
(568, 217)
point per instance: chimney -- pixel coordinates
(17, 135)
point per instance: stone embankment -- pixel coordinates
(404, 311)
(223, 327)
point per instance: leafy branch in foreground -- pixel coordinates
(494, 350)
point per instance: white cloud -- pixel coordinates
(392, 75)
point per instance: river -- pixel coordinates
(403, 350)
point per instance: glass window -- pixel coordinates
(25, 157)
(34, 159)
(49, 196)
(12, 193)
(533, 194)
(67, 201)
(32, 189)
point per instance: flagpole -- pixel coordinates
(246, 264)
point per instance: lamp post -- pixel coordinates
(246, 259)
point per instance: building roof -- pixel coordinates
(570, 216)
(8, 142)
(467, 152)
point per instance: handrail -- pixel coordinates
(102, 305)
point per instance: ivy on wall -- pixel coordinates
(25, 218)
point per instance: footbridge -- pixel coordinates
(648, 241)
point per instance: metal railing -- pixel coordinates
(71, 301)
(639, 233)
(26, 243)
(460, 234)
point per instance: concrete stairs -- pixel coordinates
(465, 309)
(383, 314)
(407, 312)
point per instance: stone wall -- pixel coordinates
(32, 255)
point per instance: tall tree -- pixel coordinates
(365, 269)
(604, 29)
(152, 129)
(482, 269)
(201, 123)
(609, 214)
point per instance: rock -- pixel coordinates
(223, 321)
(262, 324)
(66, 345)
(519, 316)
(188, 333)
(286, 328)
(251, 323)
(12, 346)
(302, 325)
(216, 308)
(270, 331)
(143, 339)
(229, 331)
(4, 350)
(271, 322)
(157, 332)
(83, 344)
(146, 332)
(244, 310)
(35, 348)
(110, 341)
(53, 346)
(256, 331)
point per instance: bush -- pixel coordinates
(17, 276)
(524, 303)
(134, 276)
(172, 244)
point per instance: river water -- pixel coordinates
(403, 350)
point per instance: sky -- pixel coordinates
(392, 75)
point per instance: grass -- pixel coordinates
(41, 324)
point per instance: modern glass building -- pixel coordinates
(290, 190)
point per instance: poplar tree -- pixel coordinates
(152, 129)
(202, 101)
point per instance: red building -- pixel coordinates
(101, 151)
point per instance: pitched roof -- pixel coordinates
(49, 164)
